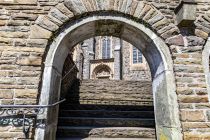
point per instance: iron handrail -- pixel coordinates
(69, 72)
(26, 113)
(32, 106)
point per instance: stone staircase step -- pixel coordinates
(105, 138)
(106, 107)
(106, 122)
(112, 96)
(107, 113)
(107, 110)
(106, 132)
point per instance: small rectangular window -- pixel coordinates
(137, 56)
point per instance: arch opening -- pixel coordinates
(153, 48)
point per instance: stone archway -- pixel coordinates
(154, 49)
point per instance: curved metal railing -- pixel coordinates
(23, 115)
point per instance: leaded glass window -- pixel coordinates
(137, 56)
(106, 48)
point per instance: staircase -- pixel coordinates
(107, 109)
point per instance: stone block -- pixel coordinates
(185, 13)
(6, 94)
(27, 80)
(24, 2)
(26, 93)
(40, 43)
(44, 22)
(24, 16)
(192, 116)
(58, 15)
(7, 102)
(208, 114)
(38, 32)
(201, 33)
(4, 128)
(193, 99)
(25, 101)
(202, 106)
(30, 61)
(3, 22)
(194, 125)
(64, 10)
(175, 40)
(14, 34)
(185, 91)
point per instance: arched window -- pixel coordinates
(137, 56)
(106, 48)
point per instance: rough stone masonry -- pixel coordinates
(27, 27)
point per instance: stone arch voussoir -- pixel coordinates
(141, 11)
(202, 24)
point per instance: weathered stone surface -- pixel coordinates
(6, 94)
(155, 19)
(192, 116)
(41, 43)
(38, 32)
(201, 34)
(176, 40)
(44, 22)
(169, 33)
(25, 102)
(14, 34)
(24, 16)
(64, 10)
(195, 41)
(26, 93)
(58, 15)
(30, 61)
(160, 24)
(193, 99)
(27, 2)
(139, 8)
(144, 11)
(75, 6)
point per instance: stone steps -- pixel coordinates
(107, 113)
(105, 138)
(68, 105)
(106, 132)
(111, 97)
(111, 91)
(107, 122)
(107, 109)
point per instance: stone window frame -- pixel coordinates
(106, 47)
(138, 56)
(100, 46)
(137, 66)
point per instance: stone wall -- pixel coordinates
(130, 71)
(23, 51)
(111, 92)
(125, 67)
